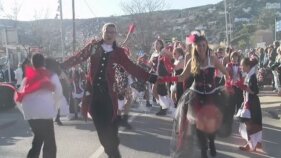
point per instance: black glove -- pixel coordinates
(152, 78)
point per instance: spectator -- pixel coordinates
(18, 75)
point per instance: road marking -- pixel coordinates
(100, 150)
(97, 153)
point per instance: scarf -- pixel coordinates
(35, 80)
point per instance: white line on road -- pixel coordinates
(100, 150)
(97, 153)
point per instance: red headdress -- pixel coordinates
(194, 37)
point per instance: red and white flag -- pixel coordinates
(132, 28)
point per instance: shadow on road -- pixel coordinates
(80, 124)
(14, 128)
(153, 136)
(272, 140)
(271, 143)
(149, 135)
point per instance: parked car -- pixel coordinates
(6, 96)
(2, 76)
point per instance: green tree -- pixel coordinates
(242, 44)
(266, 19)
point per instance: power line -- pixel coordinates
(90, 9)
(19, 9)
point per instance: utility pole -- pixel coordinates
(230, 25)
(7, 54)
(275, 28)
(61, 29)
(73, 26)
(226, 23)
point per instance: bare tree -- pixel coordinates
(13, 13)
(144, 15)
(43, 32)
(1, 7)
(15, 10)
(2, 11)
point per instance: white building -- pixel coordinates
(241, 20)
(272, 6)
(211, 10)
(247, 10)
(212, 23)
(200, 27)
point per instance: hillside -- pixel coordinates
(246, 17)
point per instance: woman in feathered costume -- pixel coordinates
(199, 109)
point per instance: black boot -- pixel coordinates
(125, 122)
(57, 120)
(212, 147)
(115, 155)
(202, 142)
(148, 104)
(162, 112)
(204, 154)
(118, 120)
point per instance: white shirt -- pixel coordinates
(107, 47)
(41, 104)
(236, 76)
(18, 75)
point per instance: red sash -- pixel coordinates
(168, 64)
(36, 79)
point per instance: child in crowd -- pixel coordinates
(250, 113)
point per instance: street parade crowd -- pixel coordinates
(202, 89)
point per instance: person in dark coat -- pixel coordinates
(100, 96)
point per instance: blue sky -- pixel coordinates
(40, 9)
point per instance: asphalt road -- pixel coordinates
(150, 137)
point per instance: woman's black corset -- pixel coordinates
(204, 82)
